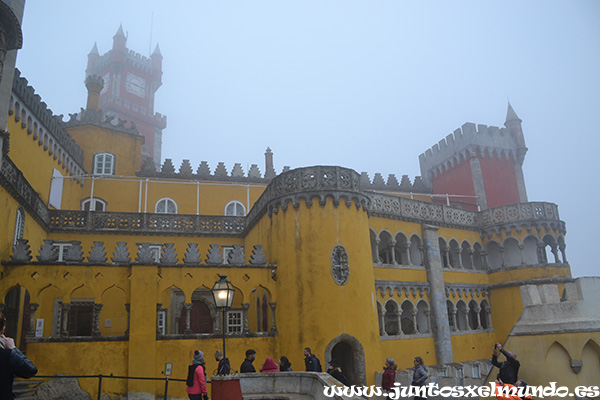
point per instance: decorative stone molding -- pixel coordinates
(12, 179)
(407, 287)
(467, 290)
(306, 184)
(144, 223)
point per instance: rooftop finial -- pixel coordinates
(511, 115)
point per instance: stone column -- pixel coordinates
(478, 183)
(554, 251)
(96, 320)
(471, 252)
(423, 258)
(453, 316)
(188, 310)
(563, 251)
(414, 318)
(377, 259)
(393, 243)
(32, 309)
(521, 249)
(274, 326)
(446, 251)
(407, 248)
(128, 308)
(501, 249)
(460, 260)
(484, 259)
(382, 331)
(245, 327)
(478, 312)
(428, 321)
(542, 259)
(437, 295)
(65, 319)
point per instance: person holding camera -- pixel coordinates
(509, 369)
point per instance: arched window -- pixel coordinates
(451, 315)
(235, 208)
(104, 164)
(473, 316)
(407, 318)
(165, 206)
(415, 250)
(93, 204)
(422, 317)
(19, 225)
(454, 254)
(466, 255)
(484, 314)
(385, 248)
(390, 318)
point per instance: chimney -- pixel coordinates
(94, 85)
(269, 170)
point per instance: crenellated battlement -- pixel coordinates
(204, 172)
(47, 129)
(392, 184)
(464, 143)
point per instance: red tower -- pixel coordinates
(130, 82)
(482, 163)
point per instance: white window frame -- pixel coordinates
(162, 322)
(226, 251)
(235, 321)
(92, 202)
(61, 249)
(56, 189)
(100, 169)
(236, 204)
(155, 249)
(166, 200)
(19, 225)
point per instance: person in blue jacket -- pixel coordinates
(12, 362)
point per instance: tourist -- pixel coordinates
(420, 375)
(224, 368)
(285, 364)
(269, 365)
(389, 375)
(335, 370)
(196, 379)
(12, 362)
(247, 364)
(509, 369)
(311, 361)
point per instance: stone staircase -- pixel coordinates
(24, 389)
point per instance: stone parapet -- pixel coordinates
(305, 184)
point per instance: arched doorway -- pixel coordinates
(348, 351)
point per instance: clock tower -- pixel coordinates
(130, 82)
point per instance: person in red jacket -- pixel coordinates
(269, 365)
(196, 380)
(506, 391)
(389, 375)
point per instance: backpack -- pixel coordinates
(318, 364)
(190, 378)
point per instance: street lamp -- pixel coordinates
(223, 292)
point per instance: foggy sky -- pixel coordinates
(367, 85)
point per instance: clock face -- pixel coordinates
(135, 84)
(106, 78)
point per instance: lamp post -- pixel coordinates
(223, 292)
